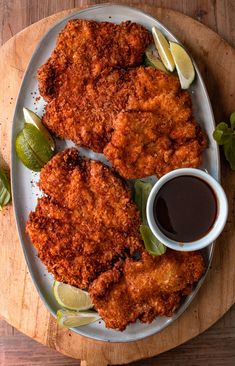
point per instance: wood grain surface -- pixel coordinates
(219, 15)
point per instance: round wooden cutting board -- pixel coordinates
(19, 301)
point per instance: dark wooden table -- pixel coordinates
(217, 345)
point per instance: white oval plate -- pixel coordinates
(25, 192)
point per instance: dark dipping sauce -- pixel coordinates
(185, 208)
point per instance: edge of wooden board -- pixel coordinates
(35, 320)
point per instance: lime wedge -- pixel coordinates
(5, 190)
(152, 58)
(162, 46)
(151, 243)
(32, 118)
(69, 319)
(71, 297)
(37, 142)
(184, 65)
(26, 154)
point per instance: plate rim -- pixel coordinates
(187, 303)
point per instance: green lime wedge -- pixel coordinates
(5, 190)
(69, 319)
(184, 65)
(71, 297)
(152, 244)
(32, 118)
(26, 154)
(152, 59)
(163, 48)
(37, 143)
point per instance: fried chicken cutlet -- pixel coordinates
(78, 80)
(146, 143)
(87, 221)
(156, 132)
(145, 289)
(91, 47)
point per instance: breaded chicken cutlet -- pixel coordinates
(78, 79)
(146, 143)
(86, 222)
(144, 289)
(92, 47)
(156, 132)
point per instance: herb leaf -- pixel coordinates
(229, 151)
(225, 135)
(142, 190)
(5, 190)
(232, 120)
(222, 133)
(152, 244)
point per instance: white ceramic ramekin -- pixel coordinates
(222, 210)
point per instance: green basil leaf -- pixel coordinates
(229, 151)
(222, 134)
(223, 126)
(5, 190)
(152, 244)
(232, 120)
(142, 190)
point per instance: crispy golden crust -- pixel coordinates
(80, 105)
(92, 47)
(86, 223)
(84, 114)
(146, 143)
(147, 288)
(156, 133)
